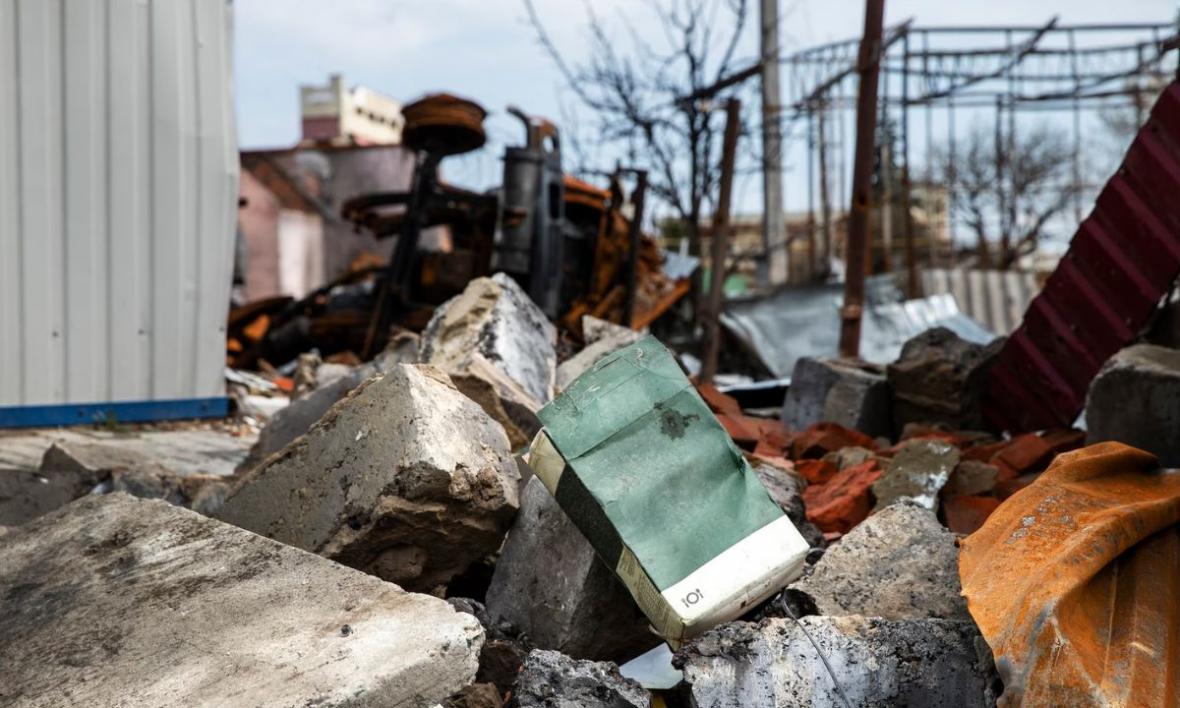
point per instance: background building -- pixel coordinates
(338, 115)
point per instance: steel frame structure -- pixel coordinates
(1002, 69)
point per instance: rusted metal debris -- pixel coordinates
(1073, 583)
(444, 124)
(565, 241)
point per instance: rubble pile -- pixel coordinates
(117, 601)
(405, 478)
(401, 554)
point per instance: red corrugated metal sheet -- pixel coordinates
(1120, 264)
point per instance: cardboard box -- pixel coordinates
(642, 467)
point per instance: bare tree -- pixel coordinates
(635, 88)
(1037, 185)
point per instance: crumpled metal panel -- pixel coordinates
(1120, 264)
(804, 321)
(1073, 583)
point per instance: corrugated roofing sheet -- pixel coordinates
(1120, 264)
(118, 193)
(805, 321)
(996, 299)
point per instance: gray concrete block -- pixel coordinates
(25, 494)
(1135, 399)
(550, 679)
(499, 348)
(297, 418)
(917, 473)
(852, 394)
(405, 478)
(940, 378)
(918, 663)
(900, 563)
(115, 601)
(551, 586)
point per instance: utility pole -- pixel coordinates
(774, 247)
(868, 63)
(720, 242)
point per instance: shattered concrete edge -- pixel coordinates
(115, 601)
(369, 484)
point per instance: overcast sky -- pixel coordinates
(484, 49)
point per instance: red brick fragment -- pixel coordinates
(816, 471)
(1062, 440)
(718, 401)
(745, 431)
(845, 500)
(965, 514)
(1023, 453)
(822, 438)
(1007, 487)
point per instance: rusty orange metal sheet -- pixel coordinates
(1075, 581)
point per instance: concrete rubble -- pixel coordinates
(403, 468)
(331, 385)
(900, 563)
(114, 601)
(498, 348)
(550, 679)
(852, 394)
(602, 338)
(551, 586)
(1135, 399)
(917, 473)
(404, 478)
(920, 663)
(941, 378)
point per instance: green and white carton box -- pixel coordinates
(642, 467)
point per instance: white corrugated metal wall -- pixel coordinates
(118, 197)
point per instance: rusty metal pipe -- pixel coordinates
(868, 64)
(720, 242)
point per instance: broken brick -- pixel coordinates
(816, 471)
(822, 438)
(718, 401)
(1007, 487)
(1023, 453)
(739, 427)
(845, 500)
(965, 514)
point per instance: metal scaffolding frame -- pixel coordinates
(1004, 69)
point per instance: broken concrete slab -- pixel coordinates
(550, 679)
(405, 478)
(919, 663)
(205, 448)
(99, 459)
(130, 470)
(610, 337)
(303, 412)
(941, 378)
(595, 329)
(555, 590)
(115, 601)
(25, 494)
(852, 394)
(917, 472)
(499, 349)
(1135, 399)
(899, 563)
